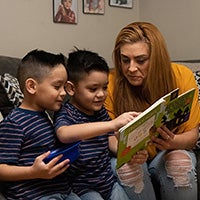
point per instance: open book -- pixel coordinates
(170, 110)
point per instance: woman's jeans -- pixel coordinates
(164, 180)
(147, 192)
(174, 183)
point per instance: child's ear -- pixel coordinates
(30, 85)
(70, 88)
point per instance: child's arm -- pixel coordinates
(38, 170)
(113, 144)
(76, 132)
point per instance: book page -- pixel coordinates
(140, 133)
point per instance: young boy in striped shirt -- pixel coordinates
(27, 134)
(84, 118)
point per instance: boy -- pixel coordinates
(87, 88)
(26, 134)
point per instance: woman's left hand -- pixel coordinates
(165, 140)
(168, 140)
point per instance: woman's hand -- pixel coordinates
(169, 140)
(165, 140)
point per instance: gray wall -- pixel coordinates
(28, 24)
(179, 21)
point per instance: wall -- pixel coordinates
(28, 24)
(179, 22)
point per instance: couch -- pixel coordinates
(9, 65)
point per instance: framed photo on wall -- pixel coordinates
(65, 11)
(121, 3)
(94, 7)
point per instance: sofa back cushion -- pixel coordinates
(9, 65)
(5, 105)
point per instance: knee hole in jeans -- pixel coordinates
(178, 166)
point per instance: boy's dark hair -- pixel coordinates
(37, 64)
(82, 62)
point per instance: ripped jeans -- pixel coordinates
(169, 176)
(173, 175)
(141, 187)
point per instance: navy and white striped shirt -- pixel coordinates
(92, 170)
(24, 135)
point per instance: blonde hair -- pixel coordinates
(160, 78)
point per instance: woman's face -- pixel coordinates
(135, 62)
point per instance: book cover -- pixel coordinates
(170, 110)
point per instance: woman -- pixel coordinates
(143, 73)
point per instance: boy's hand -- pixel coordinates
(123, 119)
(131, 173)
(49, 170)
(140, 157)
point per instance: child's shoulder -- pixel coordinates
(21, 116)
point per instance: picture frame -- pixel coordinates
(65, 11)
(121, 3)
(94, 7)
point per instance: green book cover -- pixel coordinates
(170, 110)
(177, 111)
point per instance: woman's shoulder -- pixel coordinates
(180, 69)
(184, 77)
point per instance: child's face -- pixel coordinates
(67, 3)
(91, 92)
(51, 92)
